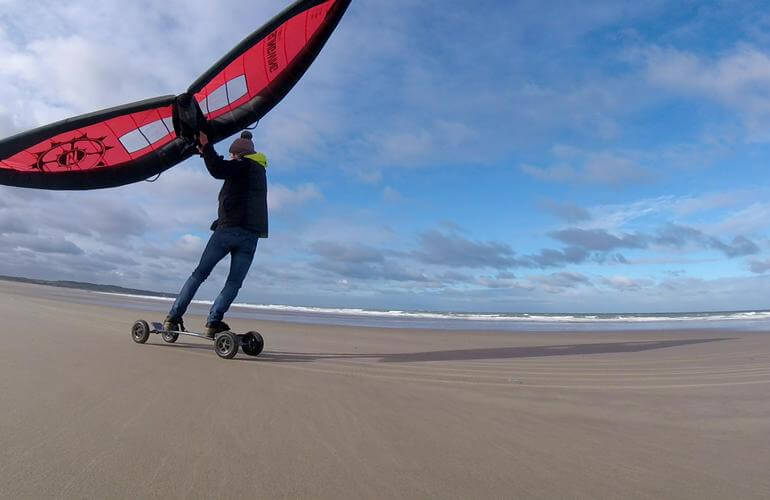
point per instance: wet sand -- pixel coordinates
(347, 412)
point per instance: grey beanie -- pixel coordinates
(242, 145)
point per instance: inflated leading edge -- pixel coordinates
(135, 141)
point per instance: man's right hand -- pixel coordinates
(203, 139)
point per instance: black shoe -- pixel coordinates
(173, 324)
(213, 328)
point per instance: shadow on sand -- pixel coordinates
(466, 354)
(485, 353)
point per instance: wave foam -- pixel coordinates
(489, 317)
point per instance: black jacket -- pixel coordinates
(243, 198)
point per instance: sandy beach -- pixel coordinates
(348, 412)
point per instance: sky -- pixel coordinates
(488, 156)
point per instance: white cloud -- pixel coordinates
(190, 243)
(728, 212)
(605, 168)
(693, 205)
(559, 282)
(280, 197)
(76, 73)
(751, 219)
(390, 195)
(614, 217)
(625, 283)
(737, 79)
(355, 227)
(39, 243)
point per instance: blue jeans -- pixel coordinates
(241, 245)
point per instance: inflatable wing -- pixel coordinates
(135, 141)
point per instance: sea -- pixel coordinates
(557, 322)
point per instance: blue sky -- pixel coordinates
(493, 156)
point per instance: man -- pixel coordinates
(242, 221)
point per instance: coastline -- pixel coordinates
(396, 319)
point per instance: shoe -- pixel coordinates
(173, 324)
(216, 327)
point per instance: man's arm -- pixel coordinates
(218, 167)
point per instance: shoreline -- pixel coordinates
(543, 323)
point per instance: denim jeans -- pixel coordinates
(241, 245)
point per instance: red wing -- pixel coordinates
(109, 143)
(99, 149)
(269, 62)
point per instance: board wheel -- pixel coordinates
(226, 345)
(140, 332)
(170, 337)
(252, 343)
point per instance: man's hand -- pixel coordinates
(203, 139)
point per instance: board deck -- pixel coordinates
(158, 328)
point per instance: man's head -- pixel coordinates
(242, 145)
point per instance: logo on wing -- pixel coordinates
(81, 152)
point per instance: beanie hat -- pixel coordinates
(242, 145)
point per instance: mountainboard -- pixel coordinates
(226, 344)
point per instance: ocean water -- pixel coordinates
(739, 320)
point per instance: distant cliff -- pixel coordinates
(88, 286)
